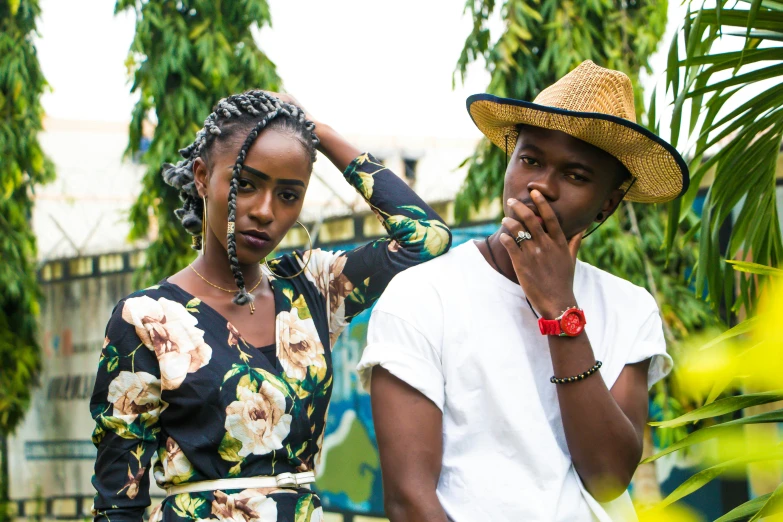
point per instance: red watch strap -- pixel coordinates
(549, 326)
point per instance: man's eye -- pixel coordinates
(245, 184)
(576, 177)
(529, 161)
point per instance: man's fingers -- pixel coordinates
(513, 226)
(527, 216)
(548, 215)
(511, 247)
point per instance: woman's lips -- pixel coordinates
(257, 242)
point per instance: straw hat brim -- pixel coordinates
(661, 173)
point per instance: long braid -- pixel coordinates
(254, 109)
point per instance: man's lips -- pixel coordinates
(534, 210)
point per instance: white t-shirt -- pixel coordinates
(465, 337)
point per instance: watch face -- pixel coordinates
(573, 322)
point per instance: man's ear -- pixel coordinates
(200, 176)
(610, 204)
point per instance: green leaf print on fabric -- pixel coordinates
(295, 299)
(131, 487)
(110, 358)
(235, 370)
(311, 385)
(229, 449)
(97, 434)
(304, 509)
(360, 180)
(431, 236)
(301, 307)
(117, 426)
(415, 210)
(359, 295)
(192, 305)
(192, 506)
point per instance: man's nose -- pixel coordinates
(546, 183)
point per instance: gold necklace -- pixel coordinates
(252, 306)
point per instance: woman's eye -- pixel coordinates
(245, 184)
(289, 197)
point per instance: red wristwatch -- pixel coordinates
(570, 323)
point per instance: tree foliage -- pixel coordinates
(737, 138)
(186, 55)
(747, 355)
(23, 165)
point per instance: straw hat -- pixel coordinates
(594, 105)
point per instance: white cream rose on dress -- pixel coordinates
(168, 329)
(176, 466)
(258, 420)
(251, 505)
(133, 394)
(299, 345)
(331, 282)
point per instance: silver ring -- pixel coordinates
(522, 235)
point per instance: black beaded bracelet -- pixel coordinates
(581, 376)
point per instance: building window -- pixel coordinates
(410, 170)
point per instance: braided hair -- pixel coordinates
(254, 110)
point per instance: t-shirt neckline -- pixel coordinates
(498, 279)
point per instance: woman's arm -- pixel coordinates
(336, 148)
(125, 406)
(410, 441)
(415, 231)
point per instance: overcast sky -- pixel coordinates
(378, 68)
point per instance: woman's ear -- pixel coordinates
(200, 176)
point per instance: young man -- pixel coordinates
(492, 400)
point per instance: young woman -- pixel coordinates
(218, 379)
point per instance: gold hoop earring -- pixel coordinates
(310, 242)
(204, 226)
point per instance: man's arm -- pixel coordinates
(603, 428)
(409, 428)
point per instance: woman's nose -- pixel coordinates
(262, 209)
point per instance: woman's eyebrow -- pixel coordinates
(267, 177)
(256, 173)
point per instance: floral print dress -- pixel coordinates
(180, 394)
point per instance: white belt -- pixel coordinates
(283, 480)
